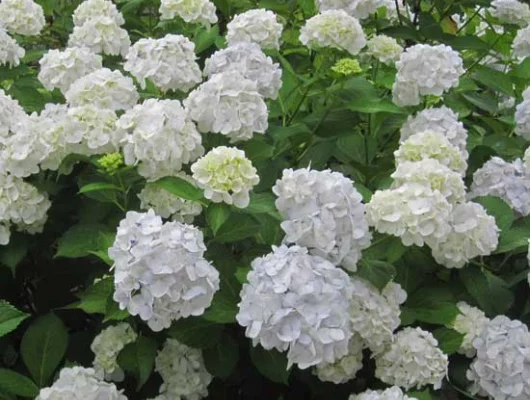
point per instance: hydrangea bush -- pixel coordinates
(264, 199)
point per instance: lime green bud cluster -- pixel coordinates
(111, 163)
(347, 66)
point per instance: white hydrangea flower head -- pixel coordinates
(256, 26)
(161, 138)
(522, 119)
(413, 212)
(510, 12)
(160, 270)
(431, 144)
(195, 11)
(426, 70)
(505, 180)
(345, 368)
(392, 393)
(501, 369)
(469, 322)
(324, 212)
(107, 345)
(22, 17)
(375, 314)
(5, 233)
(228, 104)
(78, 383)
(168, 205)
(392, 10)
(298, 303)
(183, 371)
(526, 93)
(251, 63)
(413, 360)
(169, 62)
(90, 9)
(10, 51)
(90, 130)
(442, 120)
(59, 69)
(474, 233)
(336, 29)
(431, 173)
(101, 35)
(384, 48)
(21, 204)
(360, 9)
(526, 161)
(104, 89)
(226, 175)
(12, 116)
(521, 43)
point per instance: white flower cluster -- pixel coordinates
(228, 104)
(297, 302)
(98, 27)
(433, 174)
(509, 181)
(345, 368)
(359, 9)
(10, 51)
(526, 161)
(251, 63)
(385, 49)
(255, 26)
(469, 322)
(104, 89)
(22, 205)
(442, 120)
(194, 11)
(168, 205)
(392, 393)
(425, 70)
(183, 372)
(22, 17)
(375, 314)
(169, 62)
(78, 383)
(160, 271)
(12, 116)
(106, 347)
(522, 116)
(521, 43)
(336, 29)
(413, 360)
(323, 212)
(413, 212)
(501, 369)
(226, 175)
(160, 138)
(59, 69)
(431, 144)
(510, 12)
(473, 233)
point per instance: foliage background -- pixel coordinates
(348, 124)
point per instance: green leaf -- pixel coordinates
(97, 186)
(43, 347)
(196, 332)
(496, 207)
(441, 313)
(516, 238)
(374, 106)
(270, 363)
(113, 311)
(81, 239)
(180, 188)
(224, 307)
(424, 395)
(237, 227)
(221, 359)
(139, 359)
(14, 252)
(216, 215)
(496, 80)
(378, 273)
(490, 292)
(449, 340)
(205, 38)
(14, 383)
(241, 274)
(262, 203)
(10, 318)
(94, 299)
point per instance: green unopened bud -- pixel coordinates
(111, 163)
(347, 67)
